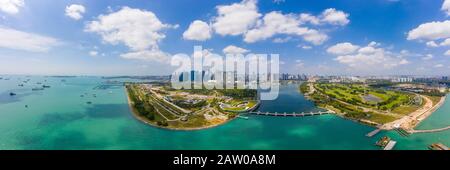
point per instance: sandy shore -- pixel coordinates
(412, 120)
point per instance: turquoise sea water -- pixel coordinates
(59, 118)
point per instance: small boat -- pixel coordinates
(20, 85)
(37, 89)
(26, 106)
(383, 141)
(88, 102)
(81, 95)
(12, 94)
(38, 83)
(45, 86)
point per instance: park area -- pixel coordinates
(361, 102)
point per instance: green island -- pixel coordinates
(386, 107)
(160, 105)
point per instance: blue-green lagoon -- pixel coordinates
(60, 117)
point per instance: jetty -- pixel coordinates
(390, 145)
(293, 114)
(243, 117)
(373, 133)
(430, 130)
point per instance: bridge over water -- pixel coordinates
(293, 114)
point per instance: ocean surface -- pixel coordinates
(60, 117)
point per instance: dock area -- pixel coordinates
(438, 146)
(373, 133)
(390, 145)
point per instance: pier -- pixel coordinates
(373, 133)
(430, 131)
(294, 114)
(390, 145)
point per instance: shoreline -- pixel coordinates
(408, 122)
(145, 121)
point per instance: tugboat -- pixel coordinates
(438, 146)
(383, 141)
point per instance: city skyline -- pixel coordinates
(380, 37)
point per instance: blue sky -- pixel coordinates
(359, 37)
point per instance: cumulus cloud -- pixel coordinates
(18, 40)
(371, 57)
(333, 16)
(137, 29)
(198, 30)
(427, 57)
(432, 44)
(11, 6)
(431, 31)
(237, 18)
(446, 7)
(276, 23)
(446, 42)
(75, 11)
(231, 49)
(447, 53)
(243, 18)
(342, 48)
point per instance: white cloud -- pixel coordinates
(93, 53)
(306, 47)
(139, 30)
(447, 53)
(11, 6)
(308, 18)
(244, 19)
(231, 49)
(438, 65)
(372, 58)
(75, 11)
(198, 30)
(147, 55)
(432, 44)
(446, 42)
(427, 57)
(237, 18)
(282, 40)
(335, 17)
(278, 1)
(18, 40)
(403, 62)
(342, 48)
(431, 31)
(446, 7)
(276, 23)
